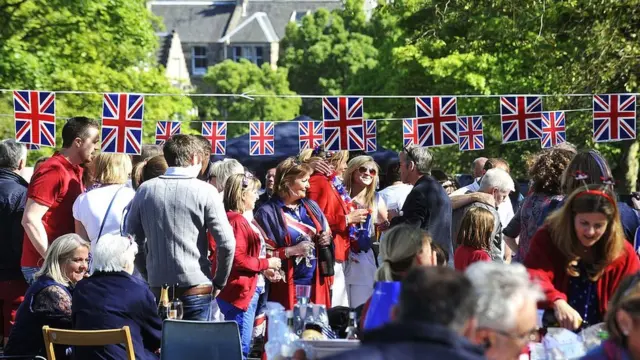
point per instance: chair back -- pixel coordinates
(87, 338)
(183, 339)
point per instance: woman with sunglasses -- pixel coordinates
(580, 256)
(295, 226)
(361, 180)
(238, 300)
(329, 192)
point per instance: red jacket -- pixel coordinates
(335, 210)
(548, 266)
(242, 281)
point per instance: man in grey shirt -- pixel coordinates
(169, 217)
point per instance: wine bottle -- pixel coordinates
(352, 329)
(326, 260)
(163, 304)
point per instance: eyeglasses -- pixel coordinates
(245, 179)
(409, 154)
(364, 170)
(526, 337)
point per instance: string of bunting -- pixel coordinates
(344, 127)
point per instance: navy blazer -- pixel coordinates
(111, 300)
(13, 196)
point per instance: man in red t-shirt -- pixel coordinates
(53, 189)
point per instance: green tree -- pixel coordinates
(326, 51)
(97, 45)
(242, 77)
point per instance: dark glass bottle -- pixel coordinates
(163, 304)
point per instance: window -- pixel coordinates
(199, 60)
(299, 15)
(251, 53)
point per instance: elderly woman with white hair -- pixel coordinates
(507, 310)
(48, 299)
(220, 171)
(112, 298)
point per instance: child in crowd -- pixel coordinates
(474, 238)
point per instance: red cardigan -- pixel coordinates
(335, 210)
(548, 267)
(243, 278)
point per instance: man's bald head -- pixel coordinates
(478, 166)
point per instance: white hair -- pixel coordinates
(497, 178)
(113, 253)
(502, 290)
(224, 169)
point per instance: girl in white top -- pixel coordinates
(102, 206)
(361, 180)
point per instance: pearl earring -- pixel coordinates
(625, 332)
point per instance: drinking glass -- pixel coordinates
(176, 311)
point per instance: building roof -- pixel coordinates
(255, 29)
(281, 12)
(195, 21)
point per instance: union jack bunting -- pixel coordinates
(32, 147)
(437, 120)
(35, 117)
(614, 117)
(470, 135)
(122, 116)
(310, 134)
(165, 130)
(343, 123)
(410, 132)
(216, 133)
(521, 118)
(261, 138)
(553, 132)
(370, 136)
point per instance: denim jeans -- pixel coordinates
(29, 273)
(196, 307)
(243, 318)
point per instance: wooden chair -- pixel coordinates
(87, 338)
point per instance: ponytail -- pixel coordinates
(398, 249)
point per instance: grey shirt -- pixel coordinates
(169, 217)
(497, 244)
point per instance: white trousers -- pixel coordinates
(360, 276)
(339, 290)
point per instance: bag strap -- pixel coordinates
(104, 220)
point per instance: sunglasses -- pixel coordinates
(364, 170)
(409, 154)
(245, 179)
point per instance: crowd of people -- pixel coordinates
(90, 241)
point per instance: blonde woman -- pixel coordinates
(361, 180)
(48, 300)
(99, 211)
(329, 192)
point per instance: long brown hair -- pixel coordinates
(476, 229)
(563, 234)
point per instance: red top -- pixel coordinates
(466, 255)
(56, 184)
(335, 210)
(548, 266)
(243, 278)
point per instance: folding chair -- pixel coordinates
(87, 338)
(21, 357)
(183, 339)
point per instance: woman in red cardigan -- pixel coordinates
(580, 256)
(238, 300)
(332, 197)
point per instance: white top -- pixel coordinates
(90, 209)
(395, 195)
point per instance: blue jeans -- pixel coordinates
(243, 318)
(29, 273)
(196, 307)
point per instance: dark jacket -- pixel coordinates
(111, 300)
(413, 340)
(262, 199)
(427, 206)
(13, 196)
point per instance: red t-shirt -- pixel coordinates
(465, 256)
(56, 184)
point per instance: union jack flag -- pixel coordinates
(470, 135)
(370, 136)
(261, 138)
(343, 123)
(310, 134)
(614, 117)
(553, 132)
(216, 133)
(122, 123)
(35, 116)
(32, 147)
(410, 132)
(521, 118)
(437, 120)
(165, 130)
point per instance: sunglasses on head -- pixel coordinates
(409, 154)
(364, 169)
(245, 179)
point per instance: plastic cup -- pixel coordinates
(303, 291)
